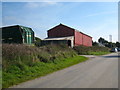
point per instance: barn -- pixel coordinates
(72, 36)
(17, 34)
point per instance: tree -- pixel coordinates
(103, 41)
(108, 44)
(95, 43)
(37, 41)
(117, 44)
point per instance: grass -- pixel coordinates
(0, 78)
(20, 73)
(98, 53)
(94, 50)
(21, 63)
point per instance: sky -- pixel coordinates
(97, 19)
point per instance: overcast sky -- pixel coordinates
(97, 19)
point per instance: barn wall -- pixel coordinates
(82, 39)
(90, 41)
(60, 31)
(77, 38)
(87, 41)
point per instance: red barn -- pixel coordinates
(75, 37)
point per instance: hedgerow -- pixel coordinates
(19, 53)
(23, 62)
(83, 50)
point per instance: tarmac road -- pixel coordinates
(98, 72)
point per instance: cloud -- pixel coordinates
(39, 4)
(32, 5)
(51, 3)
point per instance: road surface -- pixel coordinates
(97, 72)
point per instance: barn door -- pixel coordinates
(69, 43)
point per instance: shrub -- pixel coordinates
(19, 54)
(19, 73)
(22, 62)
(87, 50)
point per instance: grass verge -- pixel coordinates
(22, 72)
(94, 50)
(98, 53)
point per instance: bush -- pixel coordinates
(83, 50)
(19, 54)
(37, 42)
(19, 73)
(23, 62)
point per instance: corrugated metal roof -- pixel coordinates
(26, 28)
(60, 38)
(19, 26)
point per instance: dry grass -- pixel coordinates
(22, 63)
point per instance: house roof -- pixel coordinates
(70, 28)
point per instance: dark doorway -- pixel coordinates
(69, 43)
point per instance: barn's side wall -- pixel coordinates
(82, 39)
(87, 41)
(60, 31)
(77, 38)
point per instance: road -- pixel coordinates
(97, 72)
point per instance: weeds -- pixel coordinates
(83, 50)
(17, 54)
(21, 62)
(19, 73)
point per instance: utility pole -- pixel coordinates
(110, 37)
